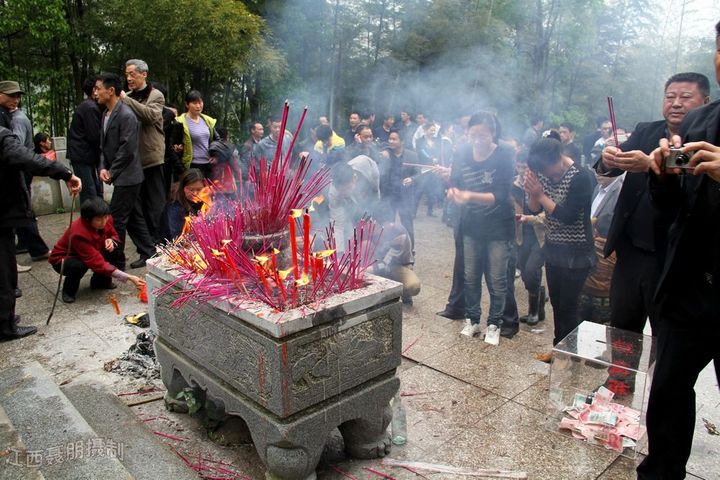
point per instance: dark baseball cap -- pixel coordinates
(9, 87)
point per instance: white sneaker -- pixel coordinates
(470, 329)
(23, 268)
(492, 336)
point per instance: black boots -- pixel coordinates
(536, 308)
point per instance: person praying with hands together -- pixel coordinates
(563, 191)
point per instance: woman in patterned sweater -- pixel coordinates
(563, 191)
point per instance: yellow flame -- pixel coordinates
(303, 280)
(262, 259)
(217, 253)
(323, 253)
(296, 212)
(284, 273)
(199, 263)
(225, 243)
(275, 251)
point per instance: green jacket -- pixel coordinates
(187, 141)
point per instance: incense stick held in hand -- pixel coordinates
(611, 108)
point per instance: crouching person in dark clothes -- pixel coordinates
(395, 258)
(89, 244)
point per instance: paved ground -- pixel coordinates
(475, 405)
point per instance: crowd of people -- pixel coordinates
(624, 225)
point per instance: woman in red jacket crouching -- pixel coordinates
(91, 239)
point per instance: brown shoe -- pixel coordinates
(544, 357)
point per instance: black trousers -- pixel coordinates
(29, 235)
(75, 269)
(403, 208)
(91, 185)
(456, 299)
(632, 288)
(127, 218)
(152, 200)
(8, 278)
(688, 339)
(530, 262)
(564, 287)
(510, 315)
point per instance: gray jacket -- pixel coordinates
(119, 147)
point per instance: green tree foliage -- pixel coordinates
(559, 58)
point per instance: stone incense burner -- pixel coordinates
(292, 376)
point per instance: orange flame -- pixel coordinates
(319, 199)
(186, 226)
(205, 196)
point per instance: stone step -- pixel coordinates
(11, 449)
(60, 444)
(145, 456)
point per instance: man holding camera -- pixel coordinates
(638, 230)
(689, 285)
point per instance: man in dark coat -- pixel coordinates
(688, 289)
(121, 164)
(83, 142)
(638, 232)
(16, 211)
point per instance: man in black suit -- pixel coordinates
(16, 211)
(121, 165)
(688, 288)
(639, 229)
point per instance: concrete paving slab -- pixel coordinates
(145, 456)
(59, 441)
(491, 367)
(439, 407)
(512, 438)
(11, 467)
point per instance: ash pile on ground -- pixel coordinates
(139, 361)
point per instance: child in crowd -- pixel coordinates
(89, 244)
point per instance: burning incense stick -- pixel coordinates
(306, 241)
(611, 108)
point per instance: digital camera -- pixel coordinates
(678, 159)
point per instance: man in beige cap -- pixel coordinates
(29, 239)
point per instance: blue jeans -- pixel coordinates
(488, 258)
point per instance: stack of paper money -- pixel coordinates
(596, 419)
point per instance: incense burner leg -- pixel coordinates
(174, 383)
(367, 437)
(290, 462)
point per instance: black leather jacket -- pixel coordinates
(15, 207)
